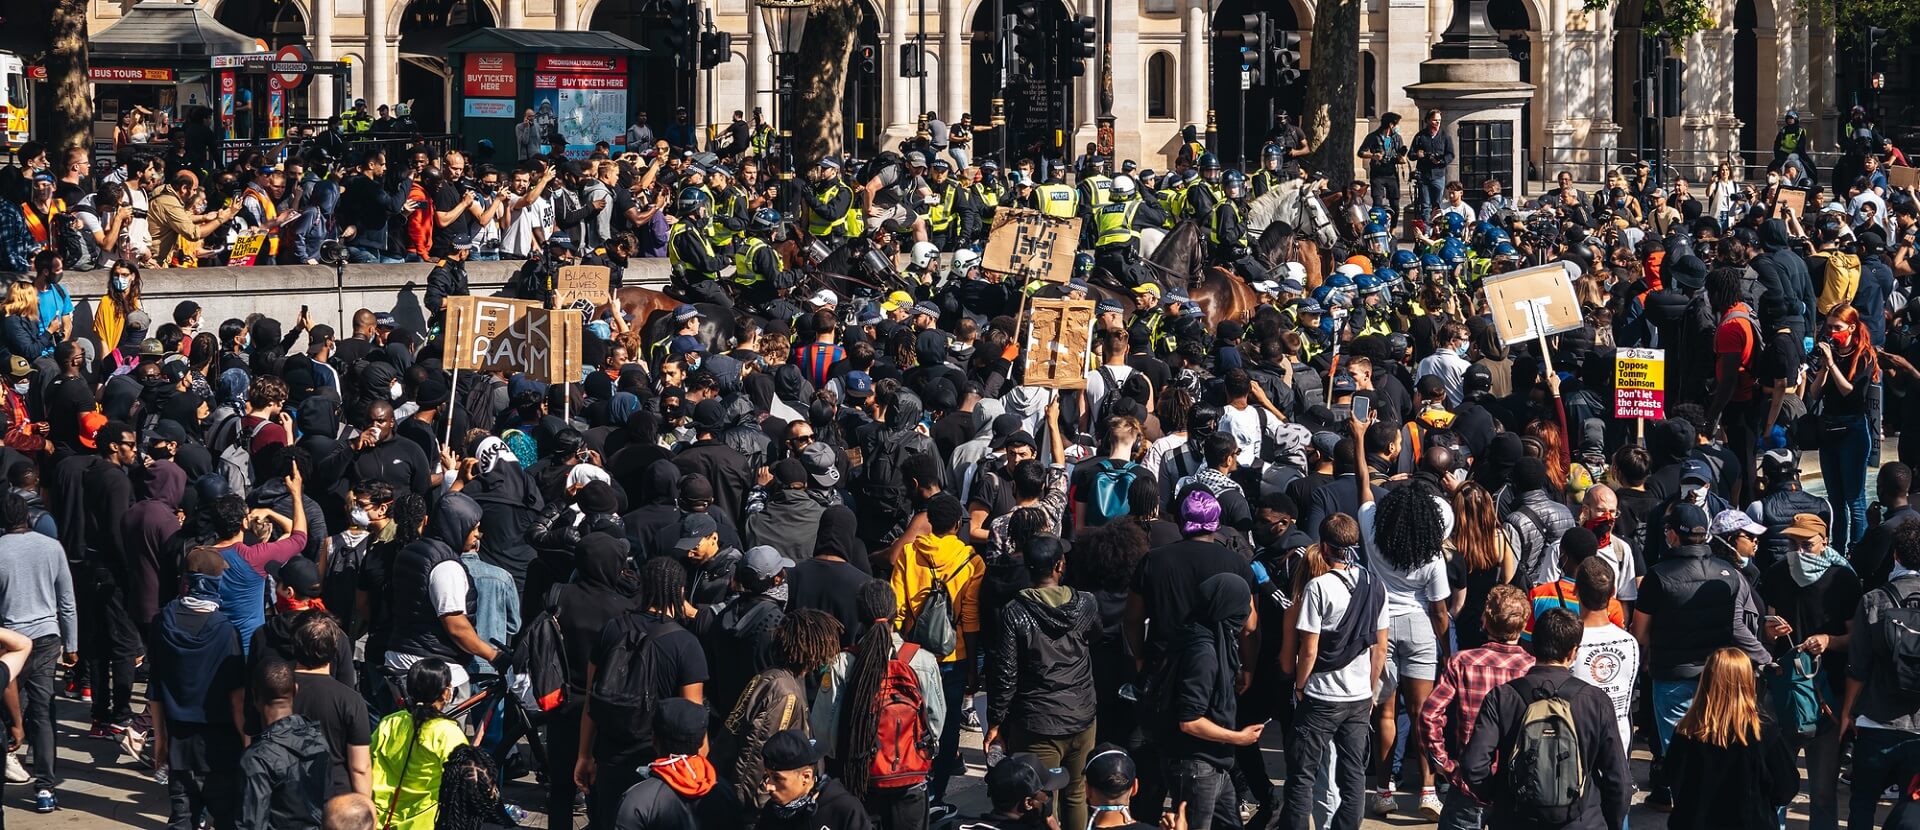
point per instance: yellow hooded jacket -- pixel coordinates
(951, 561)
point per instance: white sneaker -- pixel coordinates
(1381, 804)
(1430, 806)
(16, 772)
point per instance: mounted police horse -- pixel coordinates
(1297, 204)
(1181, 259)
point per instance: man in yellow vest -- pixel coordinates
(729, 209)
(696, 265)
(759, 275)
(42, 212)
(1055, 198)
(1116, 231)
(1205, 194)
(828, 202)
(942, 214)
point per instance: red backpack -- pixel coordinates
(905, 754)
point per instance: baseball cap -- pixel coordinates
(18, 366)
(1735, 521)
(830, 162)
(790, 750)
(686, 311)
(1147, 288)
(1110, 770)
(166, 430)
(686, 343)
(560, 240)
(461, 241)
(709, 415)
(90, 424)
(941, 164)
(695, 527)
(302, 575)
(1344, 383)
(1805, 526)
(916, 160)
(152, 347)
(859, 384)
(680, 721)
(926, 308)
(1107, 304)
(1310, 306)
(1080, 285)
(823, 298)
(1020, 776)
(765, 561)
(1696, 470)
(1018, 436)
(1325, 444)
(1687, 519)
(822, 472)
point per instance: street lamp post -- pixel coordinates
(785, 22)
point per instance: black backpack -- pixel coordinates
(883, 487)
(880, 162)
(78, 250)
(1897, 628)
(542, 660)
(623, 693)
(1355, 633)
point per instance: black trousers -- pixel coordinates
(563, 748)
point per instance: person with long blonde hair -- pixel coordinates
(1729, 768)
(21, 331)
(1480, 555)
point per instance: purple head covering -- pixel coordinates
(1200, 513)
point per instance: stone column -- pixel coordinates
(1129, 85)
(513, 14)
(566, 14)
(956, 60)
(760, 76)
(320, 99)
(899, 110)
(381, 75)
(1195, 97)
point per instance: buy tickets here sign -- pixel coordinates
(1639, 383)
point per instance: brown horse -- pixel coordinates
(1181, 260)
(1274, 251)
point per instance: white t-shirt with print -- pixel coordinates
(1609, 658)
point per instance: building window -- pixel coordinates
(1369, 86)
(1159, 85)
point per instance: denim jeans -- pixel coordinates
(953, 686)
(1347, 725)
(1880, 757)
(360, 255)
(1670, 701)
(961, 158)
(1460, 812)
(37, 683)
(1843, 463)
(1207, 790)
(1430, 187)
(1823, 775)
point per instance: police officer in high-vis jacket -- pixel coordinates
(697, 265)
(1116, 231)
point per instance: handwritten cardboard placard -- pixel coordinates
(1058, 343)
(1032, 244)
(494, 334)
(1513, 296)
(581, 282)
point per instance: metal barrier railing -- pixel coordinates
(1591, 165)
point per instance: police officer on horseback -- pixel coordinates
(829, 201)
(729, 209)
(1055, 198)
(1227, 230)
(697, 265)
(759, 276)
(1116, 231)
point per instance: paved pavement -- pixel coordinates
(105, 789)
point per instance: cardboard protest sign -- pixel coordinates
(581, 282)
(1058, 343)
(1639, 383)
(1904, 177)
(493, 334)
(1032, 244)
(1790, 198)
(1513, 296)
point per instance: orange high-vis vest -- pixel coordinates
(37, 226)
(267, 213)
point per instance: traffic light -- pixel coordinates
(867, 64)
(1639, 96)
(1253, 48)
(1283, 61)
(715, 48)
(678, 35)
(1673, 84)
(1028, 48)
(1076, 37)
(913, 63)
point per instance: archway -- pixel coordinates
(1243, 118)
(1038, 112)
(662, 77)
(278, 22)
(860, 102)
(1511, 19)
(426, 27)
(1746, 76)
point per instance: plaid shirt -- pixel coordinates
(1462, 687)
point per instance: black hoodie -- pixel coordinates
(1039, 663)
(659, 496)
(1787, 297)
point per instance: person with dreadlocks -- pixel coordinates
(661, 661)
(775, 700)
(1405, 535)
(846, 714)
(411, 746)
(470, 792)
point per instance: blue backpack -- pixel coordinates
(1111, 484)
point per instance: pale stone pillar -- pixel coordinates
(761, 79)
(320, 42)
(381, 73)
(956, 61)
(1195, 96)
(900, 120)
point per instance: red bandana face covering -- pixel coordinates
(297, 605)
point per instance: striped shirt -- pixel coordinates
(815, 359)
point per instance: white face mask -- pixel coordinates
(395, 391)
(360, 517)
(121, 283)
(22, 387)
(1696, 494)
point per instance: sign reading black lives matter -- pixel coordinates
(494, 334)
